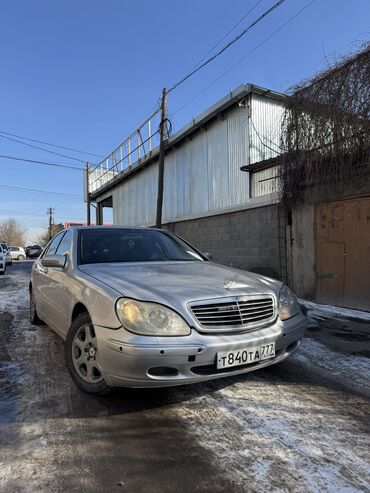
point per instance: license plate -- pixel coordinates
(246, 356)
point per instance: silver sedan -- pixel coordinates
(140, 307)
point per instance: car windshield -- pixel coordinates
(132, 245)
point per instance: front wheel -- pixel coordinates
(21, 257)
(82, 356)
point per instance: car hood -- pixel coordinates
(176, 283)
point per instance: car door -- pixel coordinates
(60, 292)
(41, 280)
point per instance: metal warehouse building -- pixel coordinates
(221, 193)
(207, 198)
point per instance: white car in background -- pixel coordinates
(17, 253)
(7, 253)
(2, 260)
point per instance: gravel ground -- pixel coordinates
(301, 426)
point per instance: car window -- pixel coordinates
(132, 245)
(53, 245)
(64, 247)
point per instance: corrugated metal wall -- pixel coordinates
(202, 175)
(265, 182)
(265, 128)
(238, 150)
(134, 200)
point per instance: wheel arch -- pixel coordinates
(78, 309)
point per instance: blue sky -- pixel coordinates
(82, 73)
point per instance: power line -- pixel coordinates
(264, 143)
(53, 145)
(33, 190)
(22, 213)
(7, 211)
(41, 148)
(224, 48)
(46, 163)
(243, 58)
(229, 32)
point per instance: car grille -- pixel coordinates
(234, 314)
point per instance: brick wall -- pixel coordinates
(251, 239)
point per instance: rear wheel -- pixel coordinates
(82, 356)
(21, 257)
(34, 318)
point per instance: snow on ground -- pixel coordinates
(347, 370)
(276, 435)
(13, 291)
(336, 310)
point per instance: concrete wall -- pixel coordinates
(302, 268)
(248, 239)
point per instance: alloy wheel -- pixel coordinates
(85, 354)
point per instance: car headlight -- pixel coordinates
(288, 304)
(150, 319)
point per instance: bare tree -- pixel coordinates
(326, 133)
(43, 239)
(12, 233)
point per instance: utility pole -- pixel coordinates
(50, 212)
(88, 214)
(162, 148)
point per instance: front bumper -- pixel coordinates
(127, 361)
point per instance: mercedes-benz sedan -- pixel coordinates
(140, 307)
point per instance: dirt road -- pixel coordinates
(302, 426)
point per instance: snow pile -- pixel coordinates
(338, 311)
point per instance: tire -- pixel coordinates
(82, 356)
(21, 257)
(2, 272)
(34, 318)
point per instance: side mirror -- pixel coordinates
(54, 261)
(209, 256)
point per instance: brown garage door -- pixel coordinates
(343, 253)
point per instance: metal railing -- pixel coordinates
(135, 148)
